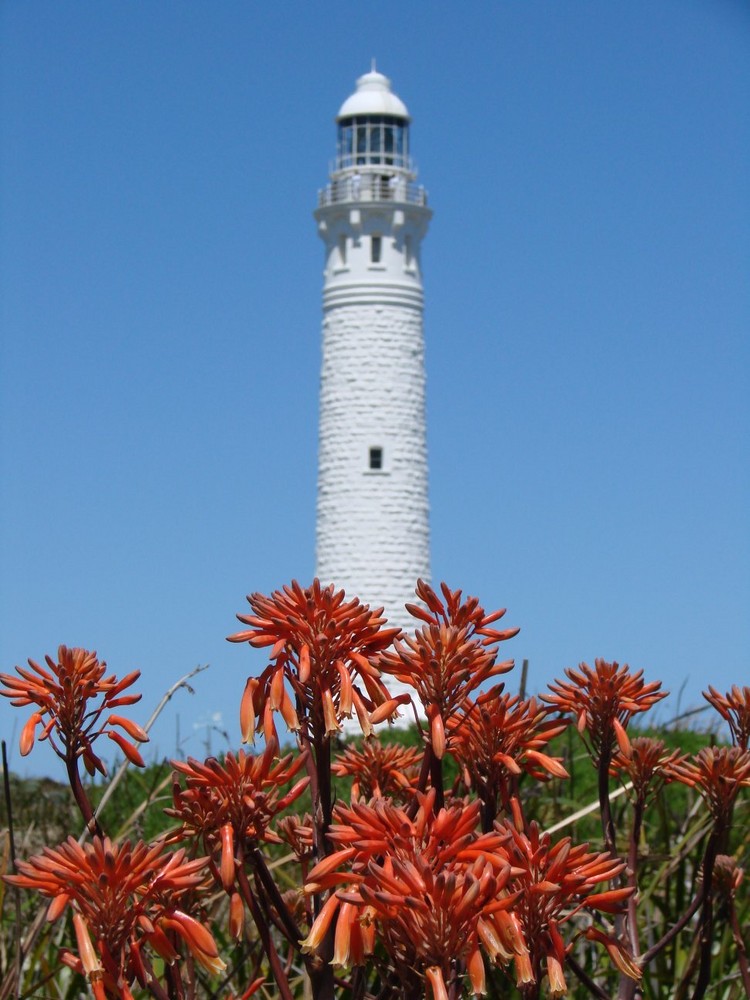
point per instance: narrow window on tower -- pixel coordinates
(376, 459)
(342, 250)
(376, 248)
(408, 253)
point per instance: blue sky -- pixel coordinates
(587, 307)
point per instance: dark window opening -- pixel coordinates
(376, 248)
(376, 458)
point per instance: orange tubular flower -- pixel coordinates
(297, 831)
(497, 737)
(322, 646)
(727, 876)
(718, 773)
(420, 886)
(734, 708)
(64, 693)
(379, 771)
(553, 882)
(125, 898)
(228, 807)
(603, 701)
(648, 764)
(448, 658)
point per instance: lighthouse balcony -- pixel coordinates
(372, 188)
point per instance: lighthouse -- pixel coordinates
(372, 527)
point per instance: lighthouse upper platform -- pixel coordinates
(373, 162)
(373, 96)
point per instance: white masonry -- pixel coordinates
(373, 511)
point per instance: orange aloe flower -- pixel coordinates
(448, 658)
(322, 646)
(297, 831)
(718, 773)
(603, 701)
(65, 693)
(379, 771)
(228, 806)
(127, 899)
(553, 882)
(734, 708)
(419, 886)
(648, 764)
(727, 877)
(497, 737)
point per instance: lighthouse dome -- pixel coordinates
(373, 96)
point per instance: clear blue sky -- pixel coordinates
(586, 280)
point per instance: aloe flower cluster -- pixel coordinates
(379, 770)
(72, 694)
(734, 708)
(554, 882)
(603, 700)
(497, 738)
(448, 658)
(321, 648)
(422, 885)
(127, 903)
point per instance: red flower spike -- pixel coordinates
(603, 700)
(378, 770)
(498, 737)
(322, 652)
(553, 882)
(718, 773)
(734, 708)
(649, 765)
(421, 886)
(298, 833)
(228, 806)
(448, 658)
(120, 893)
(71, 695)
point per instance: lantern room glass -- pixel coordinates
(378, 140)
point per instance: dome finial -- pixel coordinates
(373, 67)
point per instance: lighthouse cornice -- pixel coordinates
(361, 218)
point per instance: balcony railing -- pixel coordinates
(372, 188)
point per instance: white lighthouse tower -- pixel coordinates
(372, 512)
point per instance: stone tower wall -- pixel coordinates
(373, 526)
